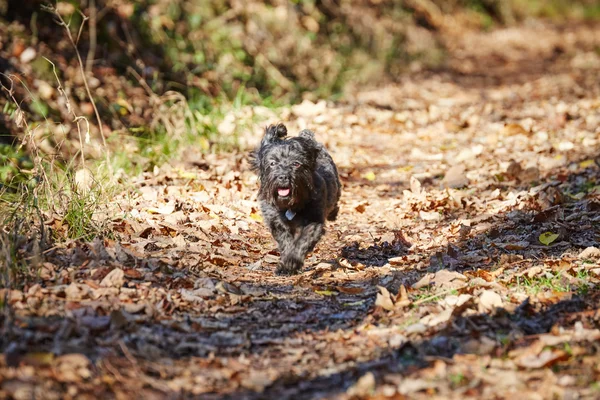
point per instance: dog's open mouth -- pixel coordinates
(283, 192)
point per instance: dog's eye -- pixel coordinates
(296, 164)
(272, 163)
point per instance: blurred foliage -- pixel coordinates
(277, 49)
(216, 52)
(15, 167)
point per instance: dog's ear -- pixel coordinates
(310, 144)
(254, 159)
(307, 134)
(274, 133)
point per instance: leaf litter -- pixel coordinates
(465, 260)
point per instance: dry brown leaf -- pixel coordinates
(455, 177)
(402, 299)
(114, 279)
(165, 209)
(514, 129)
(430, 215)
(349, 289)
(363, 387)
(384, 299)
(545, 359)
(590, 253)
(72, 367)
(489, 300)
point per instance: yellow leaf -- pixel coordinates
(256, 217)
(39, 358)
(354, 303)
(587, 163)
(370, 176)
(186, 174)
(514, 129)
(204, 144)
(123, 103)
(326, 292)
(577, 196)
(548, 237)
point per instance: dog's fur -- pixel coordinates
(299, 189)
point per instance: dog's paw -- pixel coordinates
(289, 265)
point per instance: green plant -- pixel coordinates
(550, 281)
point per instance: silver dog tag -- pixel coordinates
(289, 214)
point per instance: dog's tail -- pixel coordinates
(307, 134)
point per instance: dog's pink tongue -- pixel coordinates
(283, 191)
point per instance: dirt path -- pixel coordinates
(456, 268)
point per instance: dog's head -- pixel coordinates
(285, 167)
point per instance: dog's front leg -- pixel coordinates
(285, 243)
(304, 241)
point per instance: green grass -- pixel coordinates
(557, 9)
(457, 380)
(20, 241)
(15, 167)
(147, 147)
(551, 282)
(537, 285)
(427, 296)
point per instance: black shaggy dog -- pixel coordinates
(299, 189)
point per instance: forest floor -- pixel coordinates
(464, 262)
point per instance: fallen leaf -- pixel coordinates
(384, 300)
(533, 271)
(530, 174)
(590, 253)
(543, 360)
(489, 300)
(256, 216)
(257, 380)
(402, 299)
(38, 359)
(514, 129)
(455, 177)
(410, 385)
(361, 207)
(415, 186)
(430, 215)
(363, 387)
(71, 367)
(587, 163)
(443, 279)
(350, 289)
(132, 273)
(163, 210)
(75, 292)
(326, 292)
(548, 237)
(370, 176)
(432, 320)
(114, 279)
